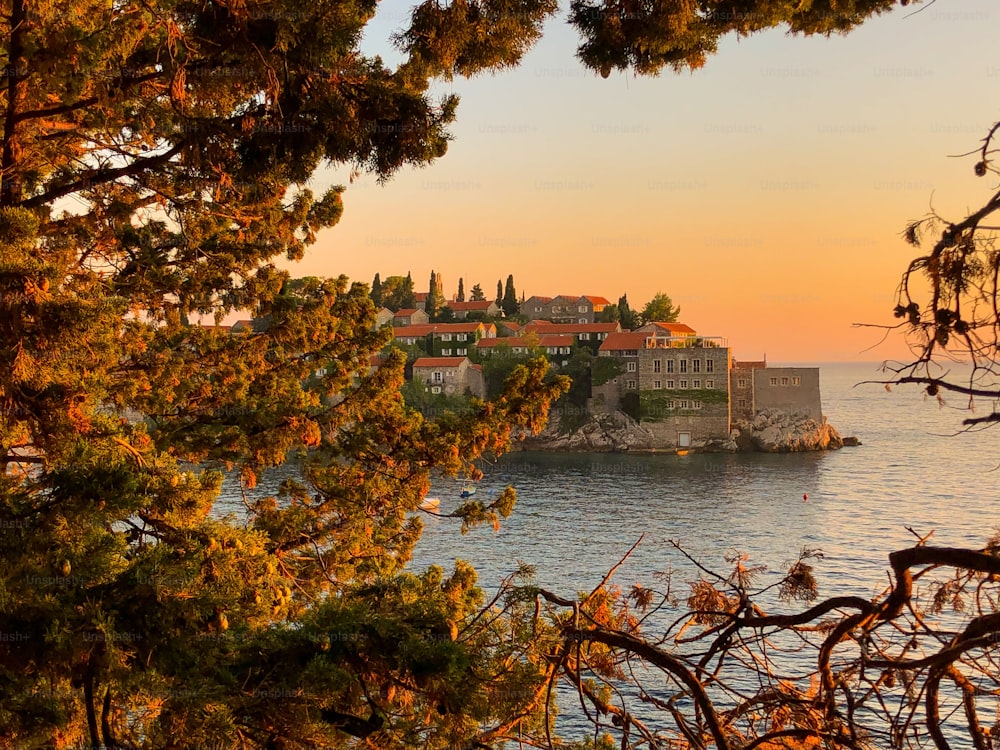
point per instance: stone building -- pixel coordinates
(564, 308)
(756, 388)
(410, 316)
(678, 386)
(483, 308)
(452, 376)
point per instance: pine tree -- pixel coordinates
(460, 297)
(376, 293)
(184, 135)
(499, 293)
(477, 294)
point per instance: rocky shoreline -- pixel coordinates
(616, 432)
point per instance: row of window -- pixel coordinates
(682, 365)
(458, 352)
(784, 381)
(458, 337)
(672, 384)
(794, 380)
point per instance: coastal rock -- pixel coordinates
(779, 432)
(615, 432)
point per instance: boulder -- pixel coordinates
(614, 432)
(778, 432)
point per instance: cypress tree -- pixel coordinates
(509, 304)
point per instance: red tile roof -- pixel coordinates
(423, 329)
(458, 327)
(471, 306)
(408, 332)
(616, 342)
(406, 312)
(596, 300)
(675, 329)
(440, 361)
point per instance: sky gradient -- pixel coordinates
(765, 193)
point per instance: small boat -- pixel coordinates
(468, 491)
(682, 452)
(430, 503)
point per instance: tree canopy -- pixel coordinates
(660, 309)
(154, 166)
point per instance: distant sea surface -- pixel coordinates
(577, 514)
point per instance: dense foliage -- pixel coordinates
(154, 164)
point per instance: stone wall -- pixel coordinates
(792, 390)
(741, 402)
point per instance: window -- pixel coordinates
(446, 337)
(437, 377)
(710, 383)
(741, 383)
(435, 389)
(450, 374)
(670, 384)
(581, 308)
(774, 381)
(631, 385)
(657, 384)
(696, 404)
(709, 365)
(673, 404)
(538, 309)
(696, 365)
(446, 352)
(461, 352)
(584, 337)
(564, 350)
(784, 381)
(684, 365)
(582, 321)
(631, 367)
(670, 365)
(743, 403)
(795, 380)
(684, 404)
(684, 384)
(696, 384)
(460, 336)
(656, 365)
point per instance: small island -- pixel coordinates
(656, 387)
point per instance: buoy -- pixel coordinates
(805, 497)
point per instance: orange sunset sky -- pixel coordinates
(765, 193)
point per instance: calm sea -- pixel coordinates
(578, 514)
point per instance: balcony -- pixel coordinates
(686, 342)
